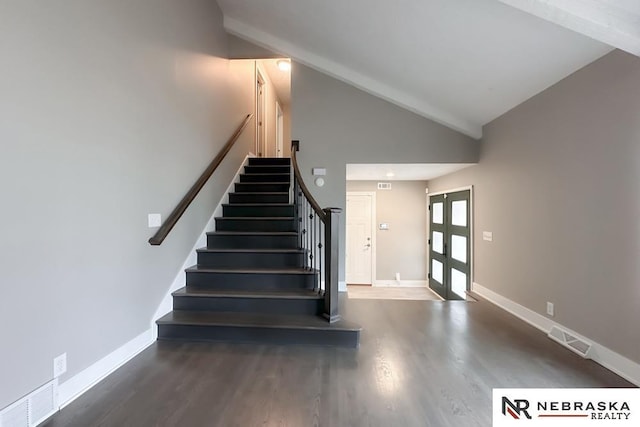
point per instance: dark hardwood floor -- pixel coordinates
(421, 363)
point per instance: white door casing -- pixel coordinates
(260, 115)
(279, 130)
(360, 238)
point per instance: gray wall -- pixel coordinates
(557, 183)
(402, 248)
(242, 49)
(286, 109)
(339, 124)
(109, 111)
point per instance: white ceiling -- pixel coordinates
(281, 79)
(461, 63)
(401, 172)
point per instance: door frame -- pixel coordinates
(471, 230)
(261, 113)
(374, 230)
(279, 130)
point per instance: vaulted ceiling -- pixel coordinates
(461, 63)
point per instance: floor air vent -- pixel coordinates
(32, 409)
(573, 343)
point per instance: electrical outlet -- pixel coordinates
(550, 309)
(398, 277)
(59, 365)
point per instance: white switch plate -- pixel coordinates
(155, 220)
(59, 365)
(487, 235)
(550, 309)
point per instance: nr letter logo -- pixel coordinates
(516, 409)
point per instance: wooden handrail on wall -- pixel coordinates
(177, 212)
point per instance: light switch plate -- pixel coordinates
(487, 235)
(319, 171)
(155, 220)
(383, 226)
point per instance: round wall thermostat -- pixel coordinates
(319, 182)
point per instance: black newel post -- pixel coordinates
(331, 263)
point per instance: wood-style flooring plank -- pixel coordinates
(421, 363)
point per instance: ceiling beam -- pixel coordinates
(613, 22)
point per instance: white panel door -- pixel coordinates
(359, 239)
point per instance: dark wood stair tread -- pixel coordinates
(284, 294)
(261, 193)
(253, 233)
(251, 251)
(267, 173)
(256, 218)
(276, 321)
(264, 183)
(258, 205)
(293, 270)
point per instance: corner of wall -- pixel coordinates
(615, 362)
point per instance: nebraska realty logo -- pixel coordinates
(566, 407)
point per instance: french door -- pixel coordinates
(450, 244)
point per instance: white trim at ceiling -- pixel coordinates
(352, 77)
(601, 20)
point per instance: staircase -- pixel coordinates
(251, 283)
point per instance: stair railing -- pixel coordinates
(177, 212)
(318, 230)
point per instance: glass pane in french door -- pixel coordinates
(458, 283)
(459, 248)
(437, 240)
(437, 213)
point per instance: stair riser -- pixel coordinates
(267, 169)
(248, 281)
(257, 211)
(251, 242)
(258, 198)
(250, 260)
(233, 224)
(269, 161)
(260, 335)
(250, 305)
(286, 178)
(254, 187)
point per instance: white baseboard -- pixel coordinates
(401, 283)
(615, 362)
(74, 387)
(166, 305)
(80, 383)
